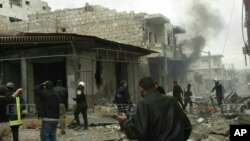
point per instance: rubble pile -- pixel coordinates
(107, 110)
(211, 123)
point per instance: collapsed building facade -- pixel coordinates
(154, 32)
(27, 59)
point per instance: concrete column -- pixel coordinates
(30, 83)
(24, 75)
(71, 83)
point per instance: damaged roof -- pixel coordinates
(20, 40)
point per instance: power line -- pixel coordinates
(230, 20)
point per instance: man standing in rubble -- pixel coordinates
(187, 97)
(5, 131)
(178, 93)
(219, 90)
(15, 111)
(122, 98)
(157, 118)
(49, 111)
(81, 105)
(63, 96)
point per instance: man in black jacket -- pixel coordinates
(81, 105)
(15, 111)
(5, 131)
(158, 117)
(187, 97)
(49, 101)
(63, 95)
(122, 98)
(219, 90)
(178, 93)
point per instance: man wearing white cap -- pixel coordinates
(81, 105)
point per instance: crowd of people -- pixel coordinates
(158, 117)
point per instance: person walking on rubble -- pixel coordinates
(178, 93)
(81, 105)
(5, 130)
(63, 96)
(158, 117)
(187, 97)
(122, 98)
(219, 92)
(49, 113)
(15, 111)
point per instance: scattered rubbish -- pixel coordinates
(200, 120)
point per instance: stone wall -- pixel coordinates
(101, 22)
(3, 22)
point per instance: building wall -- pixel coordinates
(22, 8)
(101, 22)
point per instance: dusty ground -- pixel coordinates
(31, 128)
(93, 134)
(205, 127)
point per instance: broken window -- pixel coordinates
(1, 5)
(27, 2)
(11, 19)
(44, 7)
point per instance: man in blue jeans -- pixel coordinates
(49, 110)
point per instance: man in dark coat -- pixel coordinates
(122, 98)
(158, 117)
(178, 93)
(49, 111)
(63, 96)
(81, 105)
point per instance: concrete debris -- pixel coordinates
(200, 120)
(216, 138)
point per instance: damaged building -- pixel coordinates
(204, 70)
(150, 31)
(27, 59)
(18, 10)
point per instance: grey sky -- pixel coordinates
(176, 11)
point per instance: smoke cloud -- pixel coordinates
(203, 22)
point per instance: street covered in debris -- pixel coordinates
(208, 124)
(121, 70)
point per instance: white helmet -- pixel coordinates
(216, 79)
(81, 83)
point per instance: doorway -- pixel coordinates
(50, 71)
